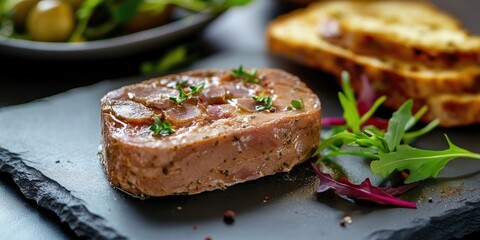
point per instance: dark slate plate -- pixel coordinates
(59, 136)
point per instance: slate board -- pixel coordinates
(57, 140)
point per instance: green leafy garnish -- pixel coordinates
(170, 60)
(101, 19)
(388, 149)
(297, 104)
(265, 103)
(397, 125)
(182, 95)
(6, 22)
(422, 164)
(123, 11)
(161, 128)
(211, 5)
(248, 77)
(83, 14)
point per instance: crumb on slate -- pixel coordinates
(229, 216)
(345, 221)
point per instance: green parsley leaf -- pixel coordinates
(297, 104)
(265, 103)
(161, 128)
(422, 164)
(248, 77)
(197, 89)
(182, 95)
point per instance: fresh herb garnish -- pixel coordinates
(161, 128)
(179, 56)
(422, 164)
(182, 95)
(212, 5)
(388, 148)
(83, 15)
(265, 103)
(247, 77)
(297, 104)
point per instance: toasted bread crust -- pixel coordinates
(295, 36)
(380, 45)
(411, 81)
(424, 34)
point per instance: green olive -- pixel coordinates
(19, 10)
(145, 19)
(75, 3)
(51, 21)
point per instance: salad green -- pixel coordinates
(388, 149)
(45, 20)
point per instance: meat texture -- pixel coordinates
(220, 135)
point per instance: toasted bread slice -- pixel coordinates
(295, 36)
(421, 33)
(453, 110)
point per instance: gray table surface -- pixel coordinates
(240, 29)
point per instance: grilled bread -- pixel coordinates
(296, 36)
(420, 33)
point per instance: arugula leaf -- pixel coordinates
(389, 150)
(397, 125)
(364, 191)
(422, 164)
(409, 136)
(339, 139)
(366, 107)
(349, 104)
(368, 114)
(161, 128)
